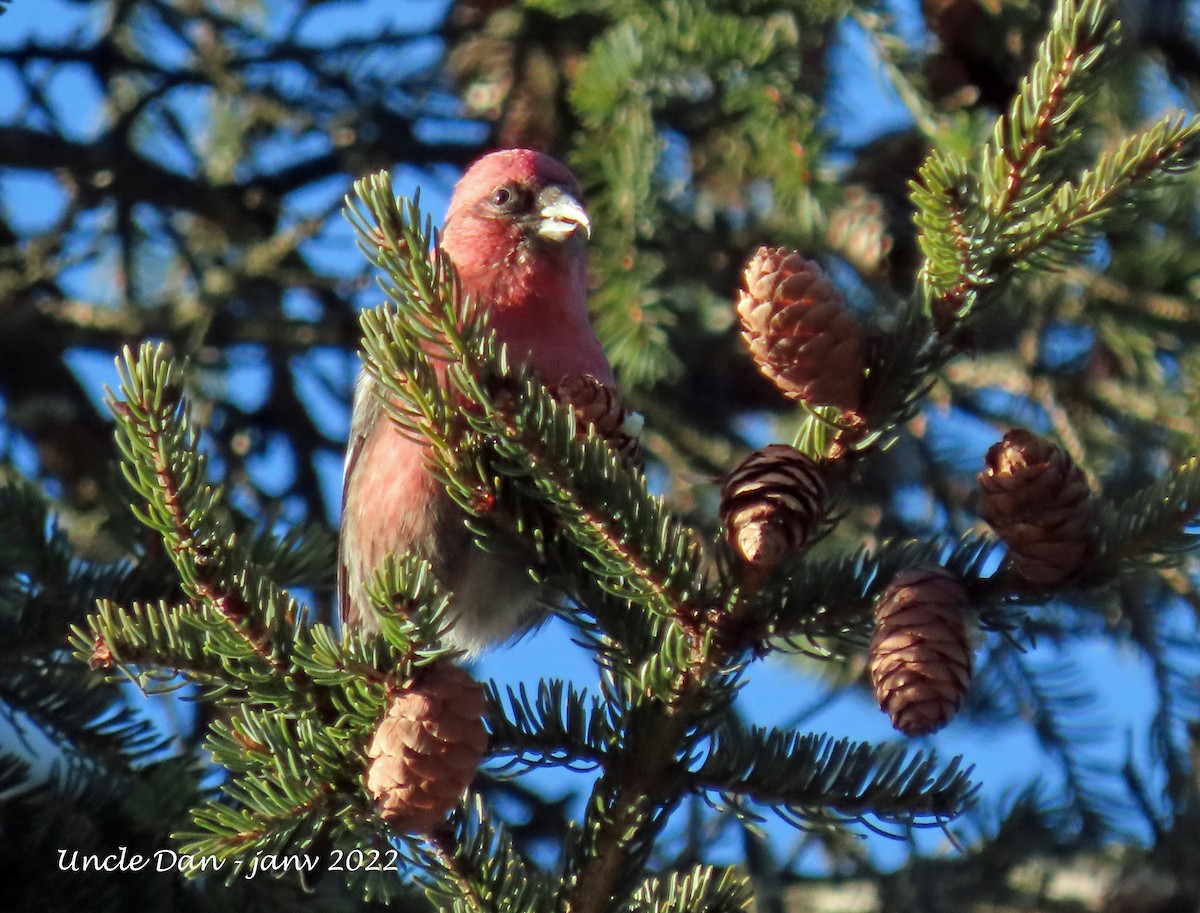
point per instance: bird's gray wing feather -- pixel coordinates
(366, 413)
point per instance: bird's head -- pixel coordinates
(515, 211)
(515, 230)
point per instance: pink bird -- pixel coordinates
(515, 231)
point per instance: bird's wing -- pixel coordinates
(364, 416)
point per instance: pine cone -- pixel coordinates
(425, 751)
(799, 330)
(1038, 501)
(858, 231)
(772, 503)
(920, 658)
(598, 406)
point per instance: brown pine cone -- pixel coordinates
(426, 749)
(598, 406)
(920, 656)
(772, 504)
(799, 331)
(1038, 501)
(858, 230)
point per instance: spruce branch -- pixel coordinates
(300, 556)
(259, 817)
(702, 889)
(51, 707)
(446, 877)
(351, 659)
(305, 704)
(901, 378)
(1177, 701)
(635, 547)
(558, 727)
(814, 603)
(78, 718)
(953, 272)
(812, 780)
(675, 702)
(297, 770)
(623, 643)
(1167, 311)
(14, 772)
(158, 641)
(610, 95)
(687, 684)
(1081, 209)
(1062, 710)
(163, 465)
(474, 867)
(1152, 524)
(1019, 165)
(30, 534)
(413, 610)
(815, 600)
(1015, 209)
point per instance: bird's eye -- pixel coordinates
(506, 198)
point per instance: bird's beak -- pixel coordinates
(560, 215)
